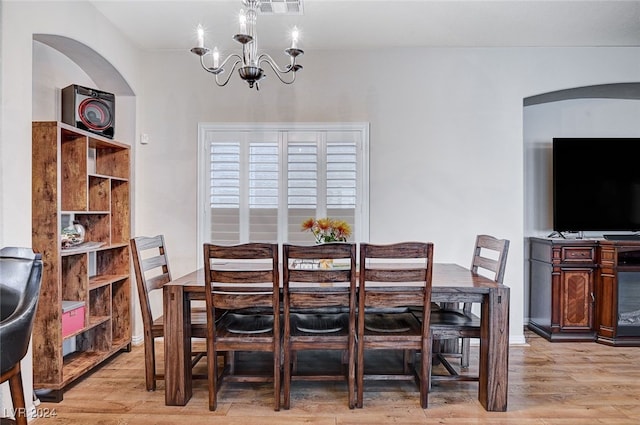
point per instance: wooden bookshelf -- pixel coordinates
(80, 176)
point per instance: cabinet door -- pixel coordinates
(577, 299)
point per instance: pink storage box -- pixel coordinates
(72, 317)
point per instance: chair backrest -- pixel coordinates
(242, 276)
(151, 264)
(20, 280)
(311, 266)
(391, 274)
(496, 262)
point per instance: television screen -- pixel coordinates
(596, 184)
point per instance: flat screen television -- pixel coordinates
(596, 184)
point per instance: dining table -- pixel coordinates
(451, 283)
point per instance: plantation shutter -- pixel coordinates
(303, 166)
(225, 192)
(342, 176)
(263, 190)
(262, 184)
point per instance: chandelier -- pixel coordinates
(250, 62)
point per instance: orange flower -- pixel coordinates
(324, 224)
(343, 229)
(308, 223)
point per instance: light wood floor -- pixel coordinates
(559, 383)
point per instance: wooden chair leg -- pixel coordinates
(286, 384)
(212, 371)
(425, 373)
(150, 363)
(360, 376)
(17, 396)
(231, 362)
(351, 374)
(408, 361)
(466, 347)
(277, 373)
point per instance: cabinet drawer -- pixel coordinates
(577, 254)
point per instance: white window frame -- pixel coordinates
(203, 197)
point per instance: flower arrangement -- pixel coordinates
(327, 229)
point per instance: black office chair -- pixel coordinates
(20, 279)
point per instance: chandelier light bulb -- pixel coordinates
(243, 22)
(216, 57)
(294, 37)
(200, 36)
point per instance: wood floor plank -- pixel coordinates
(549, 384)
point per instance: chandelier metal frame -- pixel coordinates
(251, 63)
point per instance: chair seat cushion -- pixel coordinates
(320, 310)
(381, 310)
(247, 323)
(319, 323)
(417, 311)
(390, 322)
(9, 300)
(454, 318)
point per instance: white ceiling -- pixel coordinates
(376, 24)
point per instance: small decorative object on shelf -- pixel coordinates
(72, 235)
(83, 247)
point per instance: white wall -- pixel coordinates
(19, 21)
(446, 129)
(51, 72)
(446, 143)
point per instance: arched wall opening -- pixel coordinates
(59, 61)
(100, 70)
(604, 110)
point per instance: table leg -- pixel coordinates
(177, 346)
(494, 351)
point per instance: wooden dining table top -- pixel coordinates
(446, 277)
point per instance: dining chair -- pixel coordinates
(392, 278)
(243, 302)
(151, 265)
(452, 326)
(319, 309)
(20, 281)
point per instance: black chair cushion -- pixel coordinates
(247, 323)
(390, 322)
(319, 323)
(454, 318)
(9, 299)
(20, 280)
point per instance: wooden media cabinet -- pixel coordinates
(585, 290)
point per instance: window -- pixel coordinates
(258, 182)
